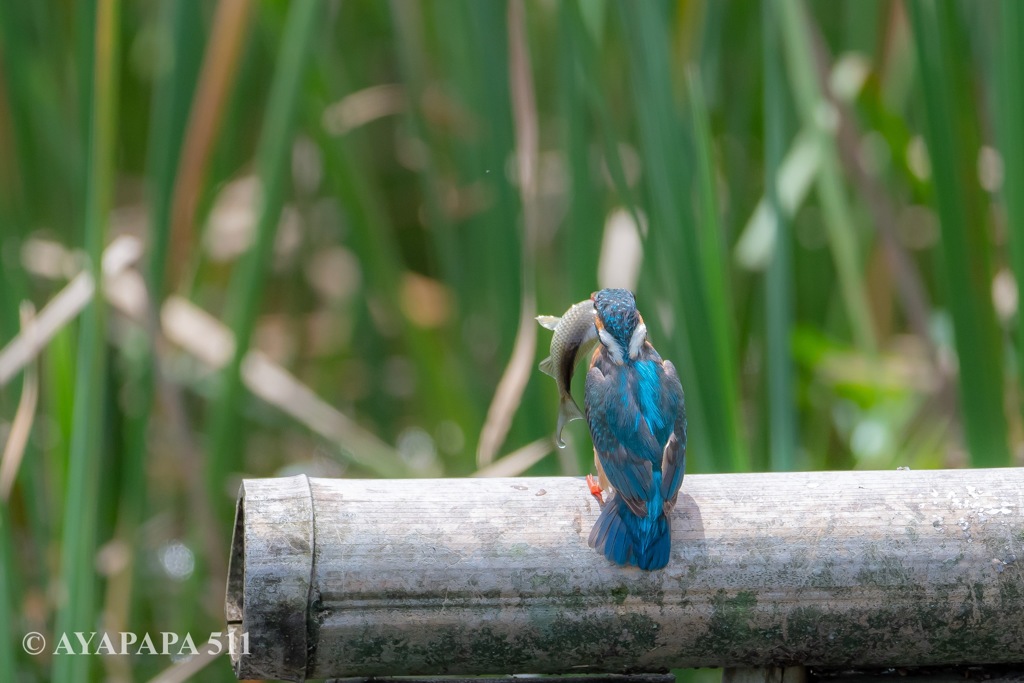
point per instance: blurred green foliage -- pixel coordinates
(807, 197)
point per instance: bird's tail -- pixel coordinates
(625, 538)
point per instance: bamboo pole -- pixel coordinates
(338, 578)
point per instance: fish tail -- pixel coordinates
(567, 412)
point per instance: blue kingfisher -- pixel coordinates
(634, 406)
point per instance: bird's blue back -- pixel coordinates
(634, 410)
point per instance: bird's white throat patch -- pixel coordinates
(636, 342)
(614, 348)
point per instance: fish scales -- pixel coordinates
(575, 336)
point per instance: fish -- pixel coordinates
(575, 337)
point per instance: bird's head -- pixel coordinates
(620, 326)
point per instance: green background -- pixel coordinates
(812, 200)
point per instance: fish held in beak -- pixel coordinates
(575, 337)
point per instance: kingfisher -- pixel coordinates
(637, 417)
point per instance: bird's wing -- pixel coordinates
(624, 443)
(673, 462)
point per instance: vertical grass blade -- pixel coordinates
(441, 379)
(475, 55)
(246, 288)
(219, 70)
(46, 151)
(950, 131)
(679, 270)
(455, 258)
(18, 148)
(839, 222)
(814, 113)
(17, 163)
(408, 23)
(171, 95)
(587, 74)
(580, 100)
(8, 636)
(782, 421)
(78, 544)
(508, 395)
(1010, 118)
(582, 251)
(712, 254)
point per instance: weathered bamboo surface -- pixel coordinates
(339, 578)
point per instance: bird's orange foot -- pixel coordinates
(595, 488)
